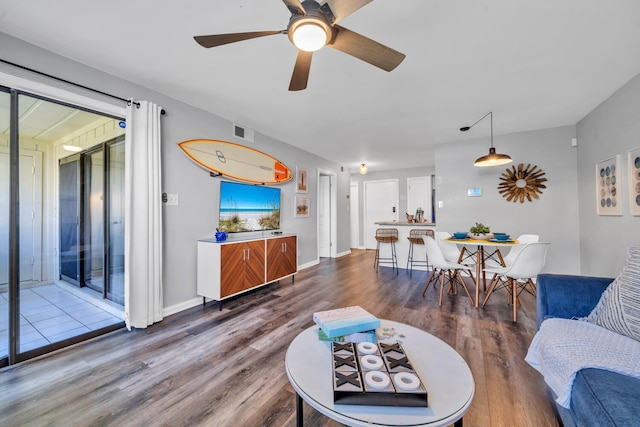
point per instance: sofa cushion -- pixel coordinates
(604, 398)
(619, 307)
(567, 296)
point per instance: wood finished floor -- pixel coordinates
(204, 367)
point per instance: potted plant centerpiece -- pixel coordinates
(480, 232)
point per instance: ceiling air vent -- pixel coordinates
(243, 133)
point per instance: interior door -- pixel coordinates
(381, 204)
(419, 196)
(324, 216)
(30, 216)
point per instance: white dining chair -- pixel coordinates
(528, 263)
(523, 240)
(446, 271)
(449, 250)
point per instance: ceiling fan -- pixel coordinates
(313, 26)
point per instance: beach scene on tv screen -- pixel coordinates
(248, 208)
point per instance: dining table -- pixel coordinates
(481, 256)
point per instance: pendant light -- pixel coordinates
(493, 158)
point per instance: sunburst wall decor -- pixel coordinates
(519, 183)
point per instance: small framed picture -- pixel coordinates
(608, 187)
(634, 181)
(302, 180)
(301, 208)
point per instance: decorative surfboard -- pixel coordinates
(236, 161)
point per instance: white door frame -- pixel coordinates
(333, 200)
(354, 214)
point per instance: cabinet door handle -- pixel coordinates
(244, 254)
(248, 254)
(283, 247)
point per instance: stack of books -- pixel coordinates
(349, 324)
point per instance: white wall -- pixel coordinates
(611, 128)
(554, 216)
(196, 215)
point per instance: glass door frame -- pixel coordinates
(73, 101)
(14, 235)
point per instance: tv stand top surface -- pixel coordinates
(234, 239)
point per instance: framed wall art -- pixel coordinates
(301, 208)
(634, 181)
(608, 186)
(302, 180)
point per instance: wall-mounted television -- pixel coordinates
(245, 207)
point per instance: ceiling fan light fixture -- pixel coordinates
(364, 169)
(309, 35)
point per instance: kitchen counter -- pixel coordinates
(405, 223)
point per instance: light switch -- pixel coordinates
(172, 199)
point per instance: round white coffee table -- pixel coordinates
(444, 372)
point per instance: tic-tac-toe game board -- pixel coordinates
(375, 374)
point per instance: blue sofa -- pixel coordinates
(599, 398)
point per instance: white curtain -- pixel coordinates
(143, 216)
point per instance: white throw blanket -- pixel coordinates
(562, 347)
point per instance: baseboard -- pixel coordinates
(168, 311)
(308, 265)
(341, 254)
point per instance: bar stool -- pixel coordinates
(386, 235)
(415, 238)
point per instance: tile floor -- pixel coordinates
(52, 313)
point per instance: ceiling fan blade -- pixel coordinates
(294, 7)
(343, 8)
(220, 39)
(301, 71)
(366, 49)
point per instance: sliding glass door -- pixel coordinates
(115, 215)
(58, 218)
(92, 219)
(69, 194)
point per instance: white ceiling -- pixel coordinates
(535, 64)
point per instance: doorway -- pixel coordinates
(327, 213)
